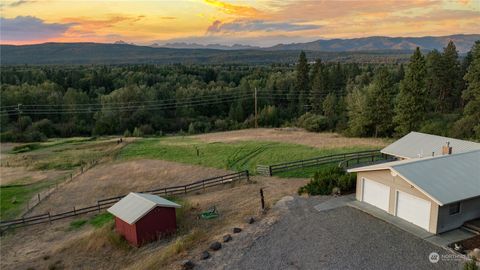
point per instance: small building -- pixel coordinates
(143, 218)
(437, 192)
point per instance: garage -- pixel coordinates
(376, 194)
(413, 209)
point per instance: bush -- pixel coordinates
(324, 181)
(137, 132)
(470, 265)
(147, 129)
(44, 126)
(127, 133)
(313, 122)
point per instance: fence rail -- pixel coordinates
(106, 203)
(269, 170)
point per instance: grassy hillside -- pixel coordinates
(233, 156)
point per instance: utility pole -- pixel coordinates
(256, 116)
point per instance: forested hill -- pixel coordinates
(97, 53)
(462, 42)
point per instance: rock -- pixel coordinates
(215, 246)
(236, 230)
(187, 264)
(205, 255)
(475, 253)
(251, 220)
(227, 238)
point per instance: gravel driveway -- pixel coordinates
(342, 238)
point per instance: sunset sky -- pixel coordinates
(262, 22)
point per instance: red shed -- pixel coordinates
(143, 218)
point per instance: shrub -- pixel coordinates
(137, 132)
(313, 122)
(324, 181)
(470, 265)
(127, 133)
(44, 126)
(147, 129)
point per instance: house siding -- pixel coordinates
(396, 183)
(469, 209)
(129, 232)
(158, 222)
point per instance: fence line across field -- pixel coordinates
(106, 203)
(344, 160)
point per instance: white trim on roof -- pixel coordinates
(448, 178)
(134, 206)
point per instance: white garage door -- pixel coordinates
(376, 194)
(413, 209)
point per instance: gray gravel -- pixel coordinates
(343, 238)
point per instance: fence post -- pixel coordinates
(247, 173)
(49, 218)
(38, 195)
(185, 189)
(165, 191)
(203, 184)
(269, 170)
(98, 206)
(74, 211)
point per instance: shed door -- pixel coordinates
(376, 194)
(413, 209)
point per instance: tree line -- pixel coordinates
(436, 93)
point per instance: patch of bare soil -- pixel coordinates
(291, 135)
(114, 179)
(23, 175)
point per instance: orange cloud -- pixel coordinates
(238, 10)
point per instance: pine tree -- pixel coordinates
(356, 102)
(380, 103)
(330, 109)
(433, 79)
(319, 85)
(302, 85)
(412, 100)
(470, 122)
(449, 96)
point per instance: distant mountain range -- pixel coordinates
(463, 43)
(371, 49)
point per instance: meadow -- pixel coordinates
(237, 156)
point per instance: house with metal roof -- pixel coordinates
(142, 218)
(417, 145)
(436, 192)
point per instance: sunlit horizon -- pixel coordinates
(257, 23)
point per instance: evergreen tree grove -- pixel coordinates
(411, 104)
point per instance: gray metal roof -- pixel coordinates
(416, 144)
(134, 206)
(445, 179)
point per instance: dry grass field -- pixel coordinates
(78, 243)
(292, 135)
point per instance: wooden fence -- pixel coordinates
(350, 158)
(106, 203)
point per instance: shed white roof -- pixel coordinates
(445, 179)
(134, 206)
(416, 144)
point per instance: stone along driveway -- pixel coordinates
(342, 238)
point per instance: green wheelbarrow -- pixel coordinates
(210, 213)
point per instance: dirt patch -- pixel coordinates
(23, 175)
(116, 179)
(292, 135)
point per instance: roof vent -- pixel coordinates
(447, 149)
